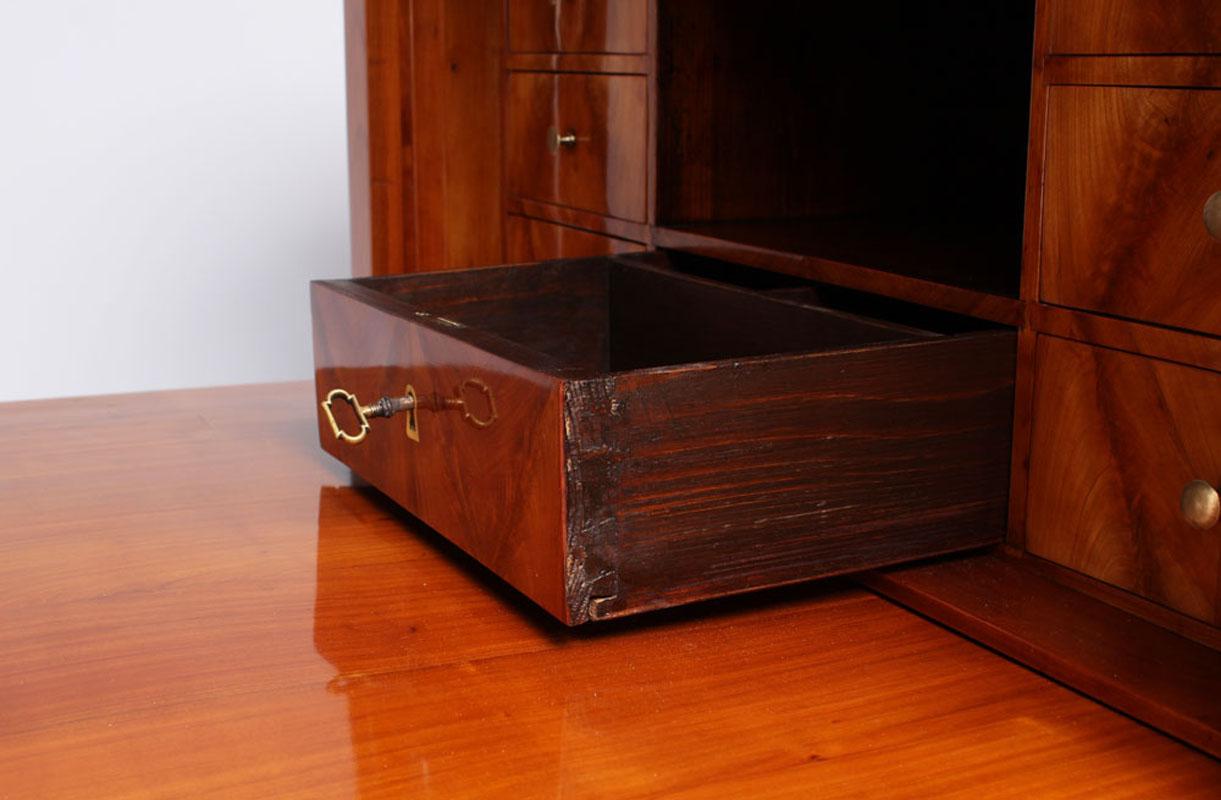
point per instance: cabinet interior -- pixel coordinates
(888, 135)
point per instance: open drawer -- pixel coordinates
(610, 435)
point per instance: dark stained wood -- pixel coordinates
(1116, 657)
(917, 266)
(700, 481)
(534, 240)
(578, 26)
(1128, 172)
(1197, 71)
(1134, 26)
(195, 603)
(1117, 438)
(604, 171)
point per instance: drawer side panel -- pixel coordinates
(735, 477)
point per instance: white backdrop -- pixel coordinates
(172, 173)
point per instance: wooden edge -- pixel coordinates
(576, 218)
(357, 78)
(1167, 71)
(1147, 340)
(994, 308)
(1117, 658)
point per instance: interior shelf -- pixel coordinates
(957, 267)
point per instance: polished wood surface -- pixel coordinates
(603, 171)
(534, 240)
(424, 134)
(496, 491)
(1181, 71)
(1134, 26)
(578, 26)
(1128, 662)
(1127, 175)
(1117, 438)
(196, 604)
(641, 416)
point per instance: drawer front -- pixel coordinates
(535, 240)
(1117, 438)
(494, 491)
(1129, 226)
(1135, 26)
(599, 165)
(578, 26)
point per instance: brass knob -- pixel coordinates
(1212, 215)
(556, 140)
(1200, 504)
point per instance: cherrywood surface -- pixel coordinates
(534, 240)
(1121, 659)
(1134, 26)
(578, 62)
(576, 218)
(1117, 438)
(424, 133)
(604, 170)
(578, 26)
(1127, 175)
(496, 491)
(194, 603)
(1196, 71)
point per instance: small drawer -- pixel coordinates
(579, 141)
(1118, 439)
(611, 436)
(1132, 204)
(1135, 27)
(578, 26)
(534, 240)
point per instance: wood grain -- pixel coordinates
(194, 603)
(1134, 26)
(604, 171)
(578, 26)
(1128, 172)
(1114, 656)
(1167, 71)
(534, 240)
(1116, 439)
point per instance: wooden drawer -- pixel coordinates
(1144, 27)
(1128, 174)
(1117, 437)
(656, 438)
(578, 26)
(601, 168)
(534, 240)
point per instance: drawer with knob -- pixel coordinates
(579, 141)
(610, 435)
(1132, 204)
(1125, 465)
(578, 26)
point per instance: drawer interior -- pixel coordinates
(590, 317)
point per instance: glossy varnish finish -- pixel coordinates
(578, 26)
(603, 170)
(195, 604)
(711, 439)
(1117, 439)
(1127, 175)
